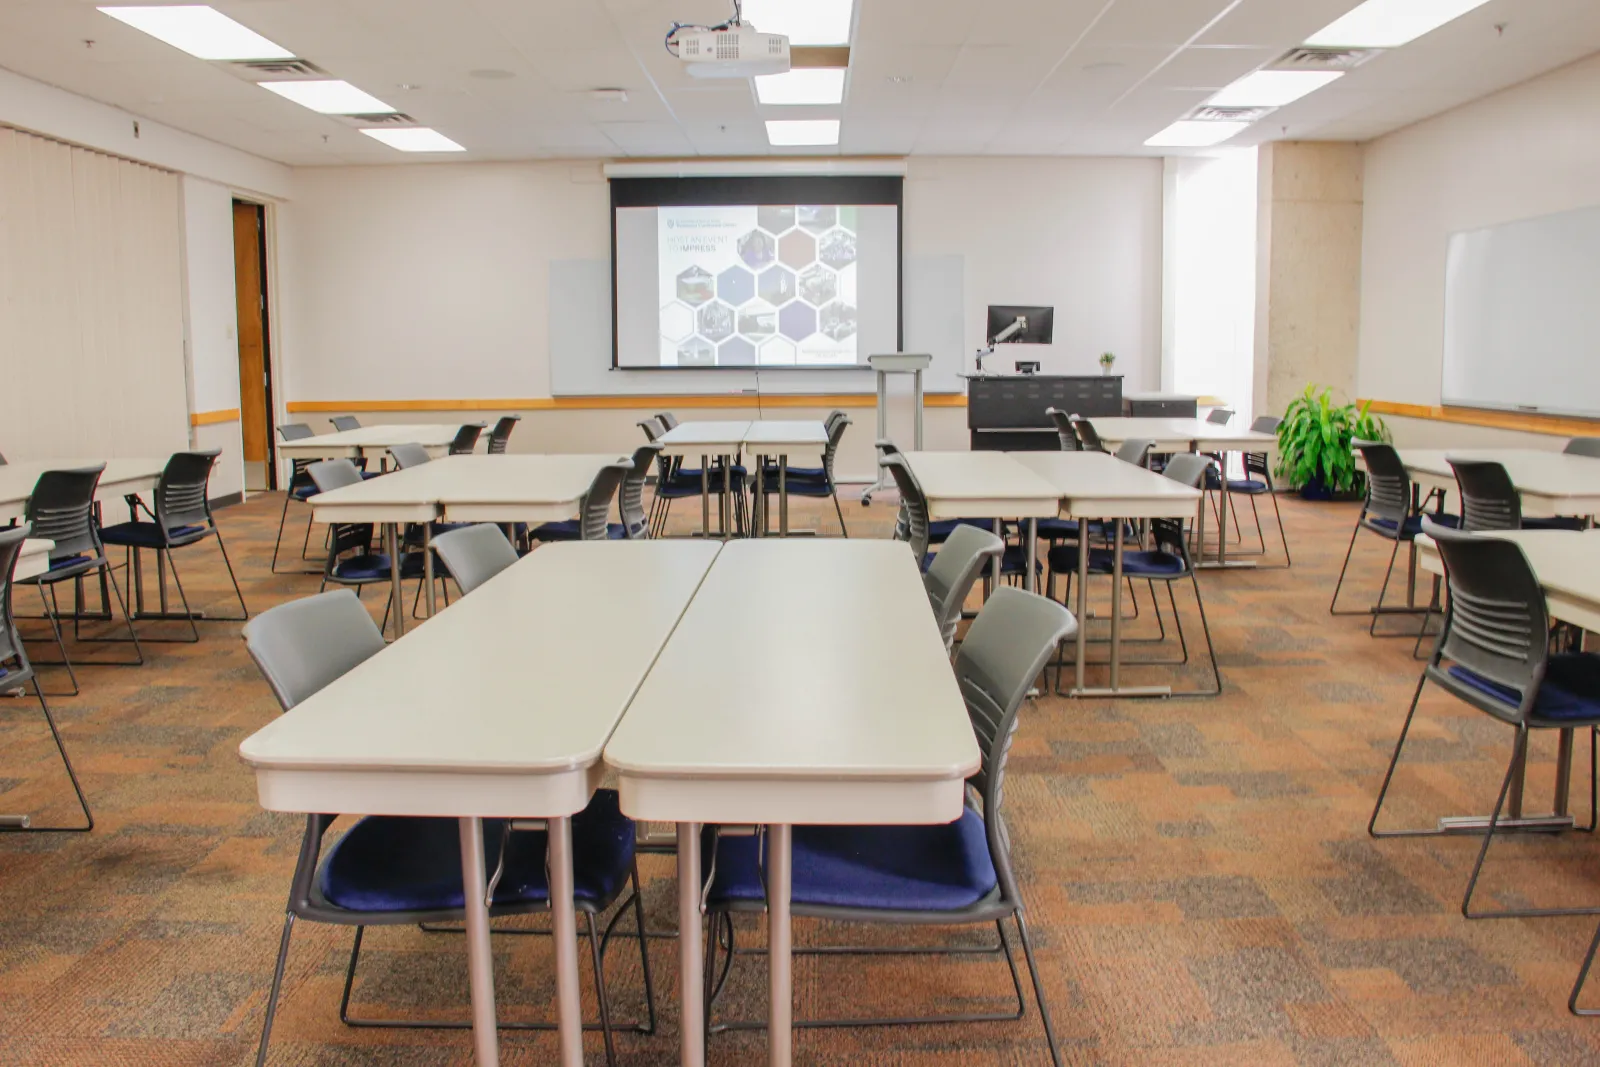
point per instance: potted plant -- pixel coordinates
(1106, 361)
(1316, 451)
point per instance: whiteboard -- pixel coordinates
(1522, 316)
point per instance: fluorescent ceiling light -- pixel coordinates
(804, 22)
(1390, 23)
(329, 97)
(414, 139)
(1273, 88)
(1190, 134)
(802, 131)
(808, 85)
(199, 30)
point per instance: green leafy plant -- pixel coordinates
(1106, 359)
(1316, 440)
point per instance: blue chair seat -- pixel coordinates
(374, 566)
(920, 868)
(1058, 529)
(148, 535)
(392, 863)
(304, 492)
(1558, 523)
(371, 474)
(1571, 689)
(569, 530)
(939, 532)
(1412, 527)
(810, 487)
(1014, 560)
(1248, 486)
(770, 470)
(1136, 563)
(65, 567)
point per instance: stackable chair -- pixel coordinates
(466, 439)
(1135, 450)
(352, 560)
(814, 482)
(61, 509)
(1168, 562)
(937, 532)
(1257, 482)
(954, 571)
(674, 481)
(16, 672)
(1064, 430)
(474, 553)
(668, 420)
(592, 524)
(1583, 446)
(960, 873)
(1088, 439)
(409, 454)
(1490, 501)
(1390, 511)
(182, 517)
(1219, 416)
(1493, 654)
(500, 436)
(300, 489)
(912, 524)
(391, 870)
(342, 423)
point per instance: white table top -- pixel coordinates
(765, 435)
(1162, 396)
(1094, 485)
(1552, 476)
(714, 437)
(874, 730)
(121, 476)
(370, 439)
(1179, 434)
(980, 485)
(34, 557)
(1566, 562)
(499, 706)
(477, 488)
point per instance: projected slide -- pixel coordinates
(771, 285)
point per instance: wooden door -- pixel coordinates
(254, 410)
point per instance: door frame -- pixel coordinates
(268, 334)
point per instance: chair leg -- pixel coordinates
(1333, 605)
(283, 518)
(277, 988)
(72, 776)
(1388, 775)
(840, 510)
(244, 610)
(1038, 988)
(1283, 534)
(51, 611)
(1583, 974)
(1205, 628)
(644, 952)
(600, 993)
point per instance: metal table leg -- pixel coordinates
(1031, 531)
(480, 959)
(1222, 527)
(692, 1040)
(427, 566)
(783, 495)
(391, 537)
(564, 931)
(1083, 599)
(1116, 689)
(705, 496)
(780, 991)
(996, 563)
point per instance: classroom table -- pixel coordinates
(1194, 435)
(520, 488)
(873, 731)
(1567, 566)
(1091, 486)
(782, 438)
(716, 439)
(960, 485)
(1549, 483)
(370, 441)
(499, 708)
(121, 478)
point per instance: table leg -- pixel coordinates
(1031, 531)
(1083, 597)
(727, 496)
(427, 566)
(564, 931)
(391, 537)
(705, 496)
(1222, 511)
(1514, 817)
(1116, 607)
(480, 959)
(916, 392)
(692, 1042)
(783, 495)
(780, 991)
(758, 518)
(996, 563)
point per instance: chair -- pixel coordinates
(1490, 501)
(466, 439)
(954, 570)
(1390, 511)
(1088, 439)
(1168, 562)
(1064, 430)
(1583, 446)
(500, 436)
(1219, 416)
(182, 517)
(669, 421)
(342, 423)
(674, 481)
(960, 873)
(300, 489)
(409, 454)
(1135, 450)
(591, 524)
(815, 482)
(1257, 481)
(16, 672)
(396, 870)
(912, 524)
(61, 509)
(474, 553)
(351, 560)
(1493, 654)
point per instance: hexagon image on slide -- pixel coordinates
(716, 321)
(756, 249)
(736, 352)
(698, 352)
(757, 321)
(736, 286)
(776, 285)
(677, 322)
(775, 218)
(838, 320)
(776, 352)
(694, 286)
(818, 285)
(838, 248)
(816, 219)
(797, 249)
(797, 321)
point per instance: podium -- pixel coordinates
(884, 365)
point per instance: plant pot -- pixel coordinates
(1105, 370)
(1318, 490)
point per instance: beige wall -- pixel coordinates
(1308, 276)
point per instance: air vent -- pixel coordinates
(386, 118)
(255, 69)
(1230, 114)
(1308, 58)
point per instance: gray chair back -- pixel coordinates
(61, 509)
(1388, 484)
(836, 425)
(597, 502)
(954, 570)
(1489, 500)
(1088, 437)
(1266, 424)
(1135, 450)
(1583, 446)
(11, 647)
(466, 439)
(1220, 417)
(181, 493)
(1188, 468)
(330, 474)
(833, 417)
(346, 422)
(630, 499)
(668, 420)
(652, 428)
(1064, 431)
(409, 454)
(295, 431)
(913, 504)
(304, 645)
(474, 554)
(500, 436)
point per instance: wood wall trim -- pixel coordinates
(1561, 425)
(213, 418)
(616, 403)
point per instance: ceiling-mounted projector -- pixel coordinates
(731, 50)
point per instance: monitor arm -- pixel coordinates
(1003, 336)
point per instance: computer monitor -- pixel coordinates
(1039, 331)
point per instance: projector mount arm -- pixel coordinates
(677, 27)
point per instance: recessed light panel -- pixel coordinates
(1195, 134)
(790, 132)
(329, 97)
(1273, 88)
(807, 85)
(1391, 23)
(201, 31)
(804, 22)
(414, 139)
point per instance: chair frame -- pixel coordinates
(1391, 495)
(294, 431)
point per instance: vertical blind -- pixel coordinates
(91, 304)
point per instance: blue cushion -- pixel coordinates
(69, 561)
(568, 530)
(916, 868)
(147, 534)
(371, 474)
(1413, 525)
(939, 532)
(771, 471)
(390, 863)
(1571, 688)
(1135, 563)
(373, 565)
(1249, 486)
(304, 492)
(1057, 529)
(1558, 523)
(1014, 560)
